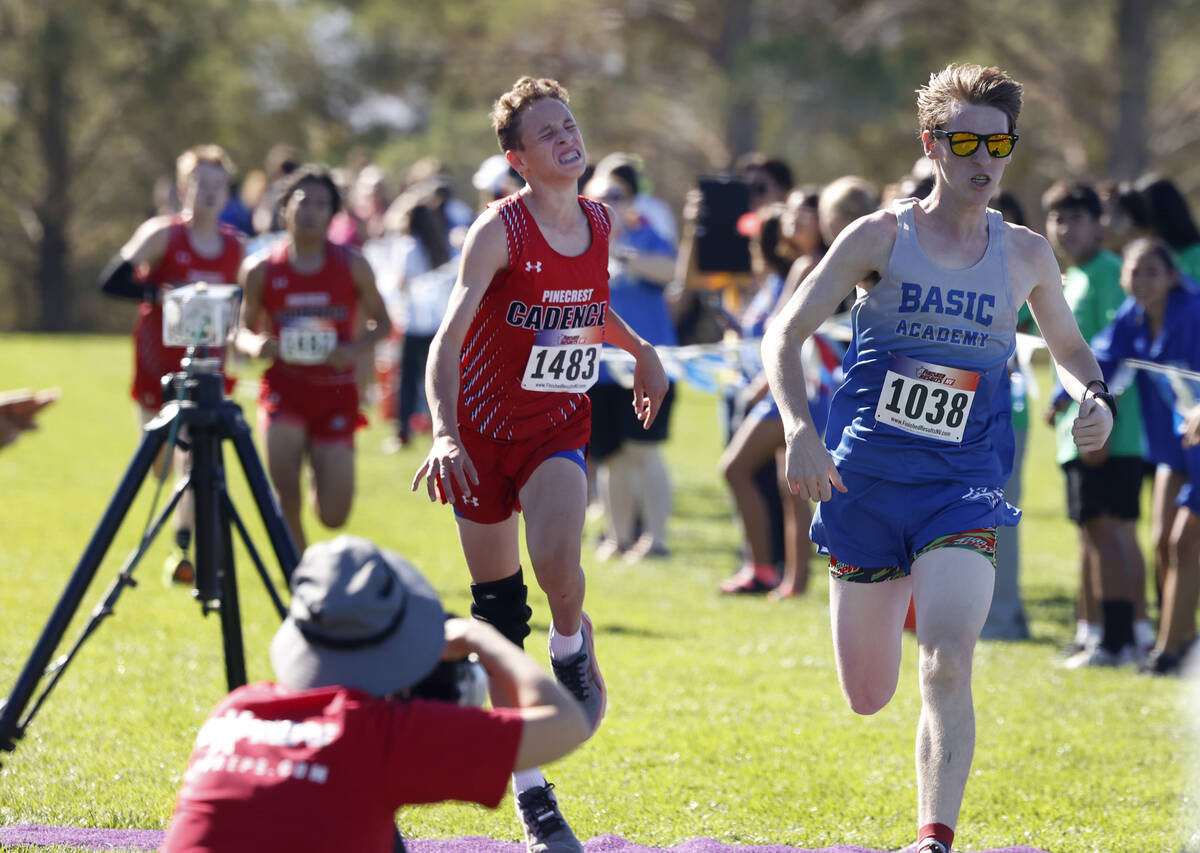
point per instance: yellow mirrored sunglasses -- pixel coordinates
(963, 144)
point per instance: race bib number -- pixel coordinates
(927, 399)
(563, 360)
(307, 343)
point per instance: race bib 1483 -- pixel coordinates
(564, 360)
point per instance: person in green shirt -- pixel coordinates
(1103, 487)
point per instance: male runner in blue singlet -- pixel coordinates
(919, 442)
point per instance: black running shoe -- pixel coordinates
(546, 830)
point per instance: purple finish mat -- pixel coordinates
(149, 839)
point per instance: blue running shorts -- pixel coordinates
(880, 523)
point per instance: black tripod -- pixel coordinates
(210, 418)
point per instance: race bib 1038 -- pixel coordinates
(926, 399)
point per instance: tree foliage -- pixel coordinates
(98, 96)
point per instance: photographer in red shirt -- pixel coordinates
(345, 737)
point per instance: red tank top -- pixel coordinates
(181, 264)
(310, 312)
(538, 309)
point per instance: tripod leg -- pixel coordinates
(254, 557)
(152, 441)
(108, 603)
(231, 615)
(216, 580)
(264, 496)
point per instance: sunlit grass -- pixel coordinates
(725, 718)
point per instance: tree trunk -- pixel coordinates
(53, 209)
(741, 120)
(1135, 56)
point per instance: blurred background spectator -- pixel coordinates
(632, 483)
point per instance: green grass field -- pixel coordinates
(725, 718)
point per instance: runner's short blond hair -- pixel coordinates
(187, 162)
(506, 112)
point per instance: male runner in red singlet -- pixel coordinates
(301, 301)
(518, 347)
(165, 252)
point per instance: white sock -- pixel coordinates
(562, 646)
(1080, 632)
(523, 780)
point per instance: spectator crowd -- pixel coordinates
(744, 241)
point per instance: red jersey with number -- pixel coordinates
(180, 264)
(538, 328)
(325, 769)
(304, 307)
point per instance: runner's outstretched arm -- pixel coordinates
(649, 379)
(860, 249)
(447, 470)
(1073, 358)
(371, 304)
(253, 339)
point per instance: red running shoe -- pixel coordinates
(750, 579)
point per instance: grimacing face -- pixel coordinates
(551, 144)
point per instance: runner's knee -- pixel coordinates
(732, 468)
(554, 554)
(332, 516)
(946, 665)
(868, 696)
(559, 575)
(503, 605)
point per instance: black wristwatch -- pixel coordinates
(1103, 395)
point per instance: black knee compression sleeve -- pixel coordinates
(502, 604)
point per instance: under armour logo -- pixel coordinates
(279, 282)
(533, 266)
(473, 501)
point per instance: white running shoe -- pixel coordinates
(1100, 656)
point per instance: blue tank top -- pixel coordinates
(926, 395)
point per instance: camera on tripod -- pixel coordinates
(201, 314)
(198, 316)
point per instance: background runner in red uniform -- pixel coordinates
(519, 346)
(301, 302)
(166, 252)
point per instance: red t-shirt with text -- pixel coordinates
(326, 769)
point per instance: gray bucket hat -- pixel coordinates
(360, 617)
